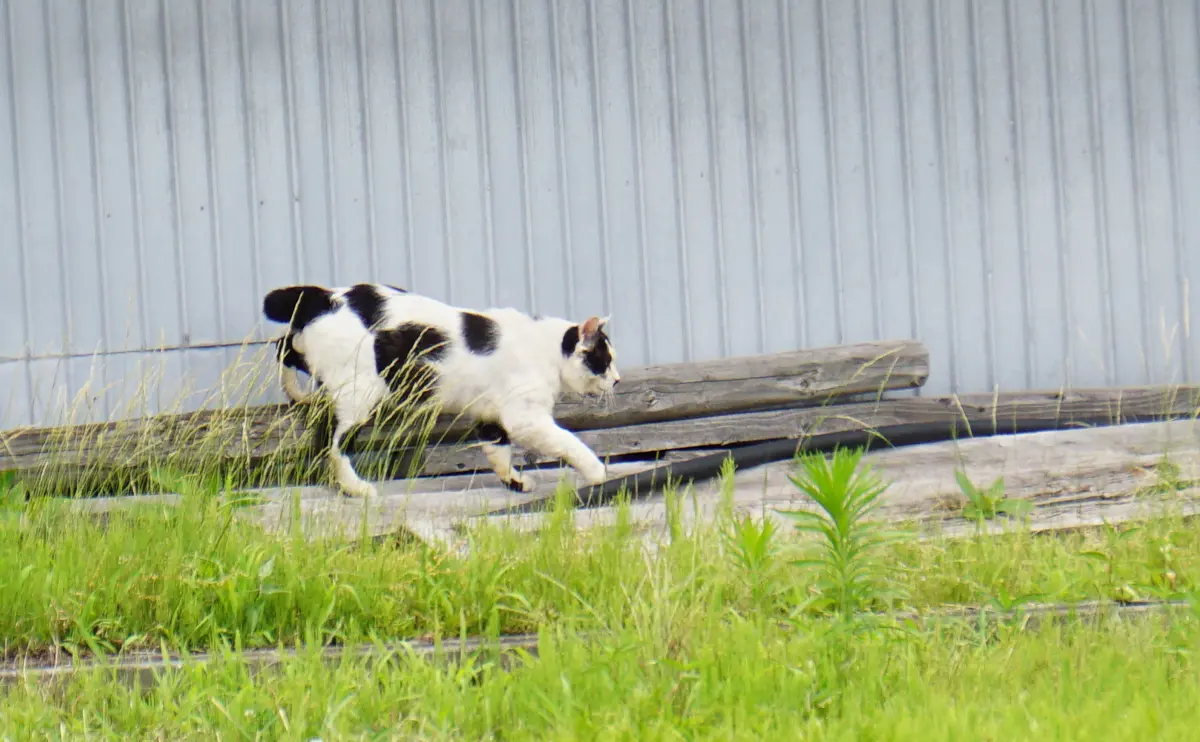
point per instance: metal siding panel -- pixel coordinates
(15, 395)
(501, 155)
(1009, 182)
(231, 168)
(268, 142)
(731, 176)
(467, 224)
(191, 193)
(661, 282)
(815, 163)
(887, 134)
(1083, 261)
(118, 254)
(966, 256)
(304, 77)
(1148, 77)
(421, 92)
(347, 143)
(156, 180)
(1121, 213)
(769, 117)
(83, 264)
(616, 129)
(578, 138)
(918, 66)
(33, 141)
(1182, 44)
(14, 304)
(852, 210)
(702, 278)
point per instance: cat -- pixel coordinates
(501, 369)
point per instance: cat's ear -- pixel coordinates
(589, 331)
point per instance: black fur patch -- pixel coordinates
(403, 357)
(492, 433)
(514, 486)
(599, 358)
(286, 352)
(481, 334)
(299, 305)
(365, 301)
(570, 340)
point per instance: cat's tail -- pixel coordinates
(297, 305)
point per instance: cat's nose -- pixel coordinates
(616, 381)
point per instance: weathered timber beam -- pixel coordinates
(685, 390)
(1078, 405)
(653, 393)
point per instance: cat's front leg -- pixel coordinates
(539, 432)
(498, 448)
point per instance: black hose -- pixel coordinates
(645, 483)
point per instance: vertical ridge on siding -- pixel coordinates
(1173, 154)
(639, 176)
(1096, 132)
(564, 185)
(19, 221)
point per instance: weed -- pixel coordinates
(851, 576)
(1110, 556)
(751, 547)
(985, 504)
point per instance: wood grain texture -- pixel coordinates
(1075, 478)
(1106, 405)
(645, 394)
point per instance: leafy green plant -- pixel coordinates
(851, 574)
(985, 504)
(752, 548)
(1109, 556)
(12, 492)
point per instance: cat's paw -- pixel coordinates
(594, 475)
(519, 483)
(365, 490)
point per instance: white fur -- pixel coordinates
(516, 386)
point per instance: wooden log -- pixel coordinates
(1108, 406)
(1074, 478)
(680, 391)
(653, 393)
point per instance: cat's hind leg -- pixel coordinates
(290, 379)
(498, 448)
(353, 407)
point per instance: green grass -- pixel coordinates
(678, 674)
(722, 632)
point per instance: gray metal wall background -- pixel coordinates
(1012, 181)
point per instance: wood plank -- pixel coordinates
(689, 390)
(1071, 476)
(1104, 405)
(654, 393)
(1075, 478)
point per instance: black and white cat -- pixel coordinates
(500, 368)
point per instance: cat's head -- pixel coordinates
(589, 360)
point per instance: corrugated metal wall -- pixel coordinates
(1012, 181)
